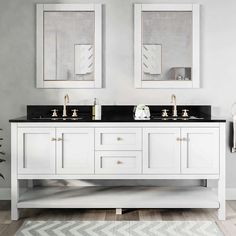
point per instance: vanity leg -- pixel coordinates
(14, 199)
(221, 197)
(118, 211)
(14, 180)
(221, 181)
(15, 214)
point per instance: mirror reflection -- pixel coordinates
(166, 45)
(69, 45)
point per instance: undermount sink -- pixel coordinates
(177, 118)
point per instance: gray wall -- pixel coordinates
(17, 65)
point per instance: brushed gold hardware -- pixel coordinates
(185, 139)
(53, 139)
(74, 112)
(119, 162)
(59, 139)
(179, 139)
(66, 101)
(185, 113)
(54, 114)
(119, 138)
(173, 100)
(164, 113)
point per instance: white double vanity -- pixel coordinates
(48, 145)
(90, 149)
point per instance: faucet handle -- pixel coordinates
(74, 112)
(185, 113)
(54, 114)
(164, 113)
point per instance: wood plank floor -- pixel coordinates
(8, 227)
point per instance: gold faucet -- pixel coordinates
(173, 100)
(66, 101)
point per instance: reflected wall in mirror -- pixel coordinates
(166, 46)
(69, 45)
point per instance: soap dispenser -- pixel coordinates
(96, 110)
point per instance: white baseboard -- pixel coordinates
(5, 193)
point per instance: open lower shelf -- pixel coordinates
(118, 197)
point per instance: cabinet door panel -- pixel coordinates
(161, 150)
(36, 151)
(200, 150)
(75, 150)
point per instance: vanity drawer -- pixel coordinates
(109, 162)
(118, 139)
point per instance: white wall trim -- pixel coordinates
(5, 193)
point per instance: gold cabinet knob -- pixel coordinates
(53, 139)
(178, 139)
(119, 138)
(59, 139)
(185, 139)
(119, 162)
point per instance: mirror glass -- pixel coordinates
(69, 45)
(166, 45)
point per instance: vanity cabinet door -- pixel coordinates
(161, 151)
(36, 150)
(75, 151)
(200, 150)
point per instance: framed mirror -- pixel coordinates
(69, 45)
(166, 46)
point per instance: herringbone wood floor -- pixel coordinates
(8, 227)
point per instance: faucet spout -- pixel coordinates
(66, 101)
(173, 100)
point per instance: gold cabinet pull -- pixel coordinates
(182, 139)
(119, 138)
(53, 139)
(59, 139)
(119, 162)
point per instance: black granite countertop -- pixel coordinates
(197, 113)
(114, 119)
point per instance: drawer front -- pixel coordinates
(108, 162)
(118, 138)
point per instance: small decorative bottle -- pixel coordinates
(96, 110)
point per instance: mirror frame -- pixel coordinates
(195, 9)
(40, 82)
